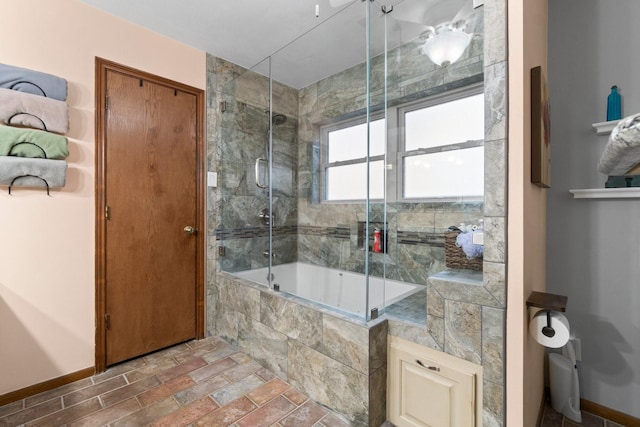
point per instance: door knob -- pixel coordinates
(189, 229)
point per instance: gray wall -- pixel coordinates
(593, 246)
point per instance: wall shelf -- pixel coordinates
(605, 128)
(606, 193)
(547, 301)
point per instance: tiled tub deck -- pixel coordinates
(337, 360)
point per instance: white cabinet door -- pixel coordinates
(429, 388)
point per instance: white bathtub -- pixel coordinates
(335, 288)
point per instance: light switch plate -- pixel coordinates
(212, 179)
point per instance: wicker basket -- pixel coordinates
(454, 257)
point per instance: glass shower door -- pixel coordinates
(243, 147)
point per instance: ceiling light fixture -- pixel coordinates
(446, 44)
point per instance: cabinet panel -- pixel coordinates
(416, 407)
(431, 388)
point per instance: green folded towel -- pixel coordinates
(24, 142)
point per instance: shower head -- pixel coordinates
(278, 119)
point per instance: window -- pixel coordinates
(435, 152)
(444, 149)
(345, 168)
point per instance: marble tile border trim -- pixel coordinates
(403, 237)
(337, 232)
(250, 232)
(420, 238)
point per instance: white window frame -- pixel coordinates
(402, 153)
(395, 147)
(324, 154)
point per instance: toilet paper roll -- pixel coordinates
(559, 323)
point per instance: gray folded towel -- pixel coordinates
(33, 111)
(622, 151)
(27, 172)
(25, 142)
(31, 81)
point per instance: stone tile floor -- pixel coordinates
(551, 418)
(198, 383)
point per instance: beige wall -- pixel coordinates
(527, 215)
(47, 243)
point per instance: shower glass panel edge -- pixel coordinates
(270, 189)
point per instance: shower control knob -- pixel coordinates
(189, 229)
(265, 217)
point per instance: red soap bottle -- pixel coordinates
(377, 241)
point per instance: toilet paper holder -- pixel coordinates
(547, 324)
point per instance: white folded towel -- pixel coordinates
(33, 111)
(622, 152)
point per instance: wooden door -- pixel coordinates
(150, 176)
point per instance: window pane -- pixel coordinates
(351, 142)
(449, 123)
(349, 182)
(452, 173)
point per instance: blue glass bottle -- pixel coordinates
(614, 108)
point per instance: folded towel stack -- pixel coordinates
(28, 172)
(24, 142)
(35, 82)
(33, 111)
(33, 107)
(622, 151)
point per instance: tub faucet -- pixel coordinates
(265, 253)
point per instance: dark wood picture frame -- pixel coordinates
(540, 130)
